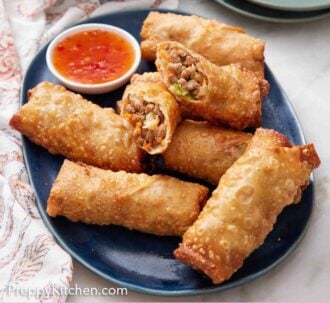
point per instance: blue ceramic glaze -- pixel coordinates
(144, 262)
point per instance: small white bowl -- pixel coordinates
(94, 88)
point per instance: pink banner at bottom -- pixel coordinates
(158, 316)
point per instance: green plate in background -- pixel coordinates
(294, 5)
(272, 15)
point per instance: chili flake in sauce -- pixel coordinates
(93, 56)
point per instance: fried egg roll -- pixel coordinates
(270, 175)
(65, 123)
(227, 95)
(219, 43)
(203, 151)
(152, 110)
(156, 204)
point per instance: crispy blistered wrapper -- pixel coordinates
(65, 123)
(233, 95)
(156, 204)
(243, 209)
(150, 88)
(203, 151)
(219, 43)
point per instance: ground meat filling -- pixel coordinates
(148, 120)
(184, 77)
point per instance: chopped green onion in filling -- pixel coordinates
(177, 90)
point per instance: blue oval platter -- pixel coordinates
(144, 262)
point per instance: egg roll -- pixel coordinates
(235, 221)
(156, 204)
(227, 95)
(219, 43)
(203, 151)
(65, 123)
(152, 110)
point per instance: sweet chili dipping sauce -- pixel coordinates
(93, 56)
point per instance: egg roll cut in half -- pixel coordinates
(219, 43)
(65, 123)
(156, 204)
(227, 95)
(235, 221)
(152, 110)
(203, 151)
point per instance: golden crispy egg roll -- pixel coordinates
(227, 95)
(243, 209)
(65, 123)
(219, 43)
(152, 110)
(203, 151)
(156, 204)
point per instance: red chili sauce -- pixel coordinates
(93, 57)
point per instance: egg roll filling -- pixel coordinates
(185, 78)
(148, 121)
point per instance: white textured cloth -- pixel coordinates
(32, 266)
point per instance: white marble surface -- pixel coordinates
(299, 56)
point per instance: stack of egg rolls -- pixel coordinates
(207, 71)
